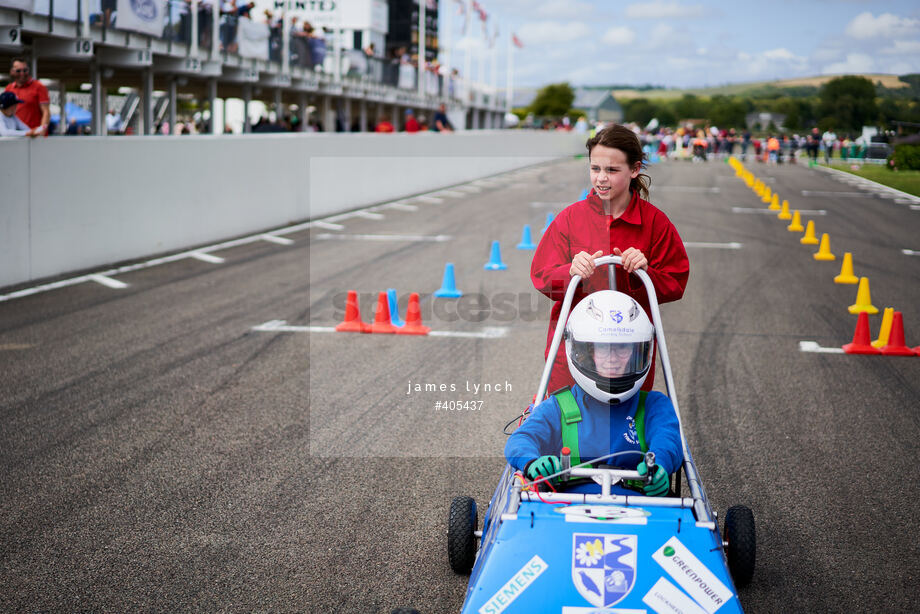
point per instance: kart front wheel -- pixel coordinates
(461, 540)
(742, 543)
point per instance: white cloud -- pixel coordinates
(886, 25)
(543, 32)
(855, 63)
(664, 10)
(903, 48)
(781, 54)
(562, 10)
(619, 36)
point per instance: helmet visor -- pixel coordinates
(613, 366)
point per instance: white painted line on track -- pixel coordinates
(732, 245)
(765, 211)
(343, 237)
(281, 326)
(205, 257)
(107, 281)
(429, 199)
(910, 252)
(915, 207)
(690, 189)
(327, 225)
(277, 240)
(811, 346)
(368, 215)
(399, 206)
(835, 194)
(64, 283)
(907, 201)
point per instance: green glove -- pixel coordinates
(659, 485)
(543, 466)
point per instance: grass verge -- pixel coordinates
(906, 181)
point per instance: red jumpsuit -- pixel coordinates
(584, 227)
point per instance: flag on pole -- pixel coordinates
(517, 42)
(483, 16)
(145, 16)
(461, 10)
(494, 36)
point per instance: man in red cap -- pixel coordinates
(34, 110)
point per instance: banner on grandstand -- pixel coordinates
(252, 39)
(20, 5)
(144, 16)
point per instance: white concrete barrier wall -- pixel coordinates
(78, 203)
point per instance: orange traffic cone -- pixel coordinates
(846, 271)
(860, 344)
(863, 298)
(413, 319)
(824, 250)
(784, 213)
(896, 345)
(382, 322)
(809, 238)
(774, 203)
(796, 225)
(884, 331)
(352, 322)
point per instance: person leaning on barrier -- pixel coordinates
(10, 125)
(35, 107)
(608, 348)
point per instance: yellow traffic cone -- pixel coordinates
(884, 333)
(863, 298)
(809, 238)
(824, 250)
(774, 202)
(767, 194)
(784, 211)
(796, 225)
(749, 179)
(846, 271)
(758, 188)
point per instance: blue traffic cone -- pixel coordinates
(495, 260)
(549, 220)
(448, 286)
(526, 241)
(393, 302)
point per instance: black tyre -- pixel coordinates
(742, 543)
(461, 542)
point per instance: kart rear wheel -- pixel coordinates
(461, 541)
(742, 543)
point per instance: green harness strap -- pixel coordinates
(570, 416)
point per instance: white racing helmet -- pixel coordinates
(608, 345)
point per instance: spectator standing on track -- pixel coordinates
(773, 149)
(10, 125)
(35, 108)
(614, 219)
(828, 138)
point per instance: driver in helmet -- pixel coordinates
(608, 346)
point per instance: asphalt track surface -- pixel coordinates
(160, 454)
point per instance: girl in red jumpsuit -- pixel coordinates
(614, 219)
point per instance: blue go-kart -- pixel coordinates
(543, 550)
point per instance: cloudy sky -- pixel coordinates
(692, 43)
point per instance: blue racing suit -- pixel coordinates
(604, 429)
